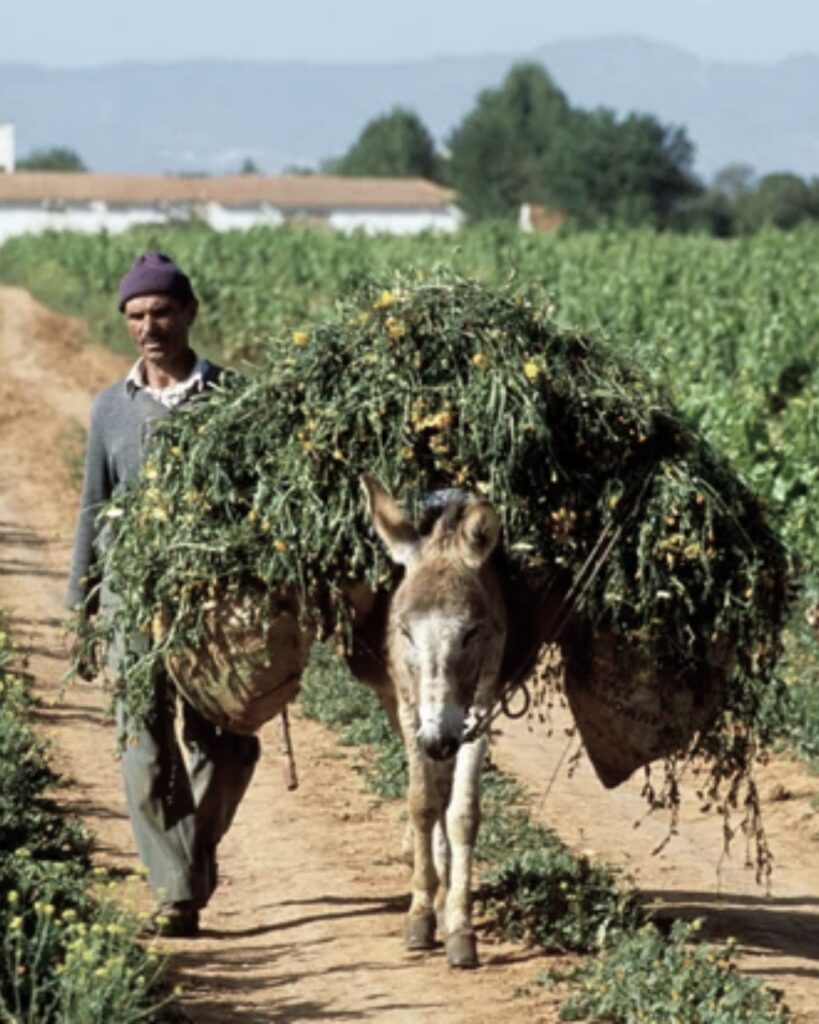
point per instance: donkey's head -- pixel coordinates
(447, 622)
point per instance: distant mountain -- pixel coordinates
(210, 115)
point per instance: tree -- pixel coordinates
(393, 145)
(57, 158)
(634, 171)
(711, 212)
(734, 179)
(249, 166)
(524, 143)
(779, 200)
(509, 145)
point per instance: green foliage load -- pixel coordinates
(440, 384)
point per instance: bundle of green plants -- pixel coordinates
(649, 977)
(449, 383)
(69, 951)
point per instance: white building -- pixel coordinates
(37, 201)
(6, 148)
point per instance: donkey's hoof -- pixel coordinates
(462, 949)
(420, 932)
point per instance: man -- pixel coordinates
(180, 803)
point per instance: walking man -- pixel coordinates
(181, 796)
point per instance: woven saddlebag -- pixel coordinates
(243, 674)
(630, 709)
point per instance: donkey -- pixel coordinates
(446, 633)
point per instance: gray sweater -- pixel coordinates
(120, 423)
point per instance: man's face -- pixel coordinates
(159, 326)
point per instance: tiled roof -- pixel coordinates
(315, 192)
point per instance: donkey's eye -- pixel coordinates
(405, 633)
(470, 635)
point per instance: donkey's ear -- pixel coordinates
(400, 537)
(478, 534)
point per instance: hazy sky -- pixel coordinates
(88, 32)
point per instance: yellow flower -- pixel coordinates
(159, 513)
(300, 338)
(279, 544)
(176, 451)
(13, 898)
(479, 359)
(395, 328)
(531, 370)
(435, 421)
(386, 298)
(407, 453)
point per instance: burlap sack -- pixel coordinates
(631, 710)
(241, 676)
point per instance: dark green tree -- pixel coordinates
(779, 200)
(711, 212)
(393, 145)
(524, 143)
(510, 145)
(734, 180)
(631, 171)
(57, 158)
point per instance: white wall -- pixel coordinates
(396, 222)
(24, 219)
(7, 148)
(33, 218)
(227, 218)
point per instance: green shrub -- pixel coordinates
(69, 953)
(649, 978)
(534, 888)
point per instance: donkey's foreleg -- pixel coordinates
(423, 811)
(463, 817)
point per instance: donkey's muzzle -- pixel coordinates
(441, 730)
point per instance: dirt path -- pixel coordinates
(306, 925)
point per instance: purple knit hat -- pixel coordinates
(154, 273)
